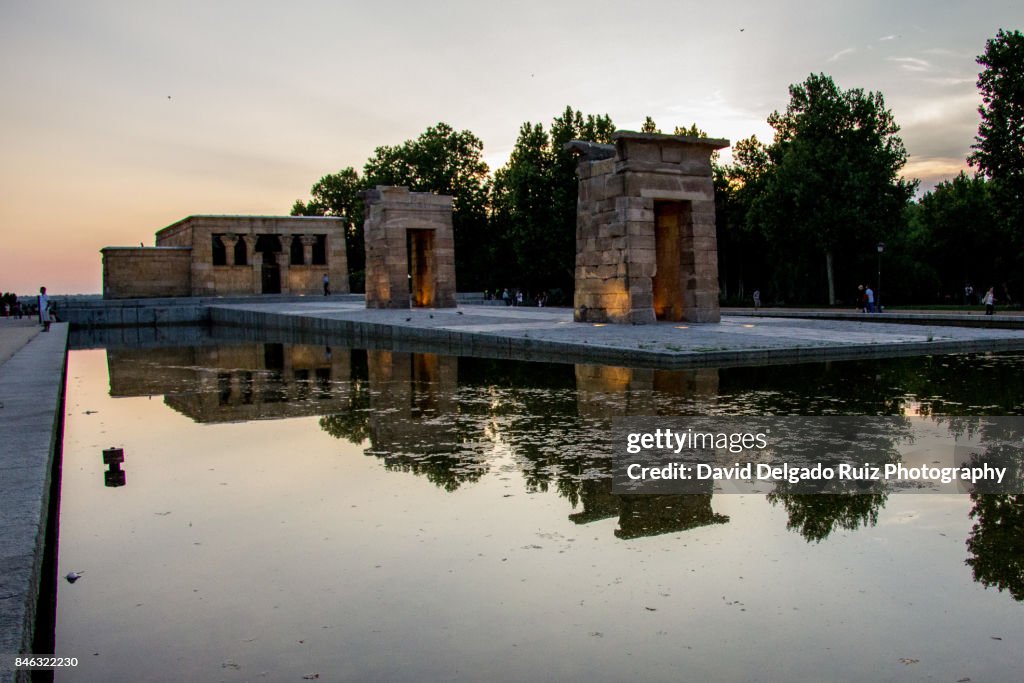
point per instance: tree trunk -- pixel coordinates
(831, 282)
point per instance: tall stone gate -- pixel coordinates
(410, 249)
(645, 229)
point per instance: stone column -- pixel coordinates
(307, 248)
(255, 260)
(229, 240)
(283, 267)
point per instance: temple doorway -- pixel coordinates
(670, 221)
(420, 245)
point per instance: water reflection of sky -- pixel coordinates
(272, 549)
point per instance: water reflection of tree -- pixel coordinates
(816, 516)
(996, 542)
(858, 441)
(962, 383)
(353, 425)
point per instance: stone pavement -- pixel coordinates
(14, 334)
(551, 334)
(32, 367)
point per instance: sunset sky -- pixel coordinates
(119, 118)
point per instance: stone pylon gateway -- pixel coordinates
(645, 229)
(410, 249)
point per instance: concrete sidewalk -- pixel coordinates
(14, 334)
(32, 367)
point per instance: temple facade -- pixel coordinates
(232, 255)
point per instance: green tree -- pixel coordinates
(954, 237)
(337, 194)
(833, 184)
(999, 146)
(741, 249)
(448, 162)
(534, 204)
(529, 246)
(649, 126)
(693, 131)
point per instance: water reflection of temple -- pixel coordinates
(237, 382)
(645, 515)
(605, 392)
(412, 423)
(437, 416)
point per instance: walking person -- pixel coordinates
(869, 299)
(327, 284)
(990, 301)
(757, 299)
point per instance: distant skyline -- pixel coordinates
(120, 118)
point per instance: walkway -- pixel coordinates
(31, 407)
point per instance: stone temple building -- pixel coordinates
(646, 248)
(410, 249)
(231, 255)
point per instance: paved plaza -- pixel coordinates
(551, 334)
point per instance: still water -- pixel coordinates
(290, 512)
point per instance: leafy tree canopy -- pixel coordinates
(832, 181)
(534, 204)
(337, 194)
(999, 146)
(448, 162)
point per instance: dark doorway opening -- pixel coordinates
(670, 221)
(421, 266)
(271, 274)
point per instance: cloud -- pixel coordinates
(933, 170)
(951, 80)
(911, 63)
(890, 37)
(841, 54)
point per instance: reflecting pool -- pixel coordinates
(286, 512)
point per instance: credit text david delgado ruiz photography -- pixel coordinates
(826, 455)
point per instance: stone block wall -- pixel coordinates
(219, 280)
(145, 272)
(645, 238)
(399, 222)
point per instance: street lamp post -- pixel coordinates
(878, 295)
